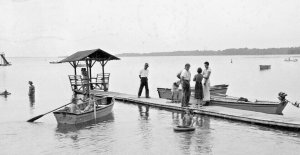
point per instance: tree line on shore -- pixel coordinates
(231, 51)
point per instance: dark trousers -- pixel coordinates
(144, 82)
(186, 93)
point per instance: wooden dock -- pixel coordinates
(271, 120)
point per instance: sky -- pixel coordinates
(49, 28)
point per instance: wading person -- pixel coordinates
(206, 84)
(185, 78)
(144, 80)
(31, 92)
(198, 87)
(187, 120)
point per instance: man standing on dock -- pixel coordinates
(185, 78)
(144, 80)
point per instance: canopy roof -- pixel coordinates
(95, 54)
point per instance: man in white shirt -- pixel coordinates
(144, 80)
(185, 78)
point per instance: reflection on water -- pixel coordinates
(31, 102)
(194, 141)
(144, 113)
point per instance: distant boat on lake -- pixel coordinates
(264, 67)
(3, 61)
(54, 62)
(291, 60)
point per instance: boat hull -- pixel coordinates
(268, 107)
(72, 118)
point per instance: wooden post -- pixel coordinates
(75, 66)
(90, 73)
(75, 72)
(88, 80)
(104, 85)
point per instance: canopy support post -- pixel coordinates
(103, 64)
(88, 81)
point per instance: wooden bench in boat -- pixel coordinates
(76, 83)
(101, 82)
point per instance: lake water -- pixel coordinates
(127, 130)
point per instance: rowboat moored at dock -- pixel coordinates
(269, 107)
(166, 93)
(104, 107)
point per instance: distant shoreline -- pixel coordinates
(227, 52)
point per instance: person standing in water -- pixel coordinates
(188, 120)
(206, 84)
(144, 80)
(31, 92)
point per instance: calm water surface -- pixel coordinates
(130, 131)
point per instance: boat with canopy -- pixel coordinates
(103, 105)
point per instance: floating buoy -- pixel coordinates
(183, 128)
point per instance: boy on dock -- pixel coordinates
(175, 92)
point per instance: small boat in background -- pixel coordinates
(103, 108)
(5, 93)
(3, 61)
(166, 93)
(54, 62)
(291, 60)
(264, 67)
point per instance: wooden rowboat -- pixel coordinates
(269, 107)
(166, 93)
(103, 108)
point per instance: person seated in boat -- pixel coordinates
(91, 103)
(73, 108)
(187, 120)
(175, 92)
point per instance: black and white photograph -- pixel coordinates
(156, 77)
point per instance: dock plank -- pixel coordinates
(271, 120)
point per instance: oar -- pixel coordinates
(39, 116)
